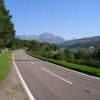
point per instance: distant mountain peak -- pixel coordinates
(50, 38)
(45, 37)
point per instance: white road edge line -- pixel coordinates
(56, 75)
(31, 97)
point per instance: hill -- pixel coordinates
(82, 43)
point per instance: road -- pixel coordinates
(48, 81)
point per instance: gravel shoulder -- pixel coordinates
(11, 88)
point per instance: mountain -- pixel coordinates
(82, 43)
(44, 37)
(50, 38)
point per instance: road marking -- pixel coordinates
(33, 63)
(31, 97)
(77, 72)
(74, 71)
(56, 75)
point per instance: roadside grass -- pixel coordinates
(5, 64)
(81, 68)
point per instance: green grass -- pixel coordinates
(5, 64)
(81, 68)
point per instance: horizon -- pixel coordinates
(68, 19)
(57, 35)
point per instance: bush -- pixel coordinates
(91, 63)
(96, 54)
(46, 54)
(59, 55)
(69, 55)
(1, 43)
(81, 54)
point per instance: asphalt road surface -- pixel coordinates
(48, 81)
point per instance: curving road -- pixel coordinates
(47, 81)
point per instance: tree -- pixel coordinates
(1, 44)
(96, 54)
(34, 45)
(69, 55)
(81, 54)
(54, 47)
(58, 55)
(7, 32)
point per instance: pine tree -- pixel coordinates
(7, 32)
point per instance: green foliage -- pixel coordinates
(7, 32)
(52, 51)
(58, 55)
(5, 64)
(1, 43)
(69, 56)
(34, 45)
(46, 48)
(43, 49)
(90, 62)
(81, 54)
(96, 54)
(54, 47)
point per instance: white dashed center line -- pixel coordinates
(56, 76)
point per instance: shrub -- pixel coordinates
(69, 55)
(92, 63)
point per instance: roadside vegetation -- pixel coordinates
(5, 64)
(7, 32)
(83, 60)
(7, 38)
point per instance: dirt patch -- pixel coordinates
(11, 88)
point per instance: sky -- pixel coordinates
(70, 19)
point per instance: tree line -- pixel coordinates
(7, 32)
(52, 51)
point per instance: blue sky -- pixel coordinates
(67, 18)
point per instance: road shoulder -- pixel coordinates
(11, 88)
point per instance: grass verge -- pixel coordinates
(81, 68)
(5, 64)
